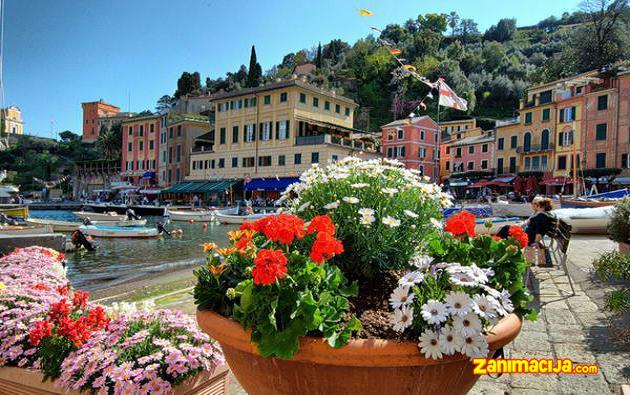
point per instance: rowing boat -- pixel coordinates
(239, 219)
(11, 210)
(69, 226)
(100, 216)
(108, 231)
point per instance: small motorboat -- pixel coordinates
(201, 215)
(599, 200)
(497, 224)
(110, 231)
(239, 219)
(14, 211)
(8, 230)
(109, 216)
(69, 226)
(592, 220)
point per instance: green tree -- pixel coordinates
(318, 57)
(254, 75)
(493, 54)
(452, 20)
(165, 102)
(502, 31)
(433, 22)
(468, 31)
(109, 142)
(187, 83)
(67, 136)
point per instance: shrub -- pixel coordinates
(612, 265)
(382, 211)
(619, 227)
(618, 301)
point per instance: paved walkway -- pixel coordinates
(568, 326)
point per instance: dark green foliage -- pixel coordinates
(254, 75)
(619, 227)
(618, 301)
(52, 351)
(187, 83)
(612, 265)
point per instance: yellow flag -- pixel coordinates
(364, 12)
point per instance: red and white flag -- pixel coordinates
(448, 98)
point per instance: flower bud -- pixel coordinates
(512, 249)
(230, 293)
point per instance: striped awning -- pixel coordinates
(201, 186)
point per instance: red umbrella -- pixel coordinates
(519, 185)
(532, 184)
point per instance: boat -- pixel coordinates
(599, 200)
(140, 209)
(480, 211)
(69, 226)
(14, 211)
(200, 215)
(108, 231)
(592, 220)
(497, 224)
(109, 216)
(503, 208)
(239, 219)
(9, 230)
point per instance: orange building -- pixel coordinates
(92, 111)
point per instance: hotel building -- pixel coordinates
(92, 111)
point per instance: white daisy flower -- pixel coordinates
(389, 191)
(484, 307)
(350, 199)
(467, 325)
(390, 221)
(359, 185)
(411, 278)
(462, 279)
(421, 261)
(401, 297)
(410, 214)
(366, 220)
(434, 312)
(332, 206)
(472, 345)
(506, 302)
(479, 274)
(341, 176)
(430, 345)
(458, 303)
(403, 318)
(436, 223)
(366, 212)
(450, 340)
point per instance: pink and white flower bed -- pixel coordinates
(46, 325)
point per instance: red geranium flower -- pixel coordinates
(460, 224)
(518, 233)
(59, 310)
(321, 223)
(284, 228)
(325, 247)
(79, 299)
(271, 265)
(97, 317)
(41, 330)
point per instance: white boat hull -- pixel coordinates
(57, 226)
(511, 209)
(199, 215)
(25, 230)
(239, 219)
(592, 220)
(497, 224)
(119, 232)
(100, 216)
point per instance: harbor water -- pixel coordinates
(119, 260)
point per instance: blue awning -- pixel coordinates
(505, 179)
(270, 184)
(148, 174)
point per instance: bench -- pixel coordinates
(556, 243)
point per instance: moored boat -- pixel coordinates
(69, 226)
(239, 219)
(513, 209)
(592, 220)
(497, 224)
(108, 231)
(14, 211)
(599, 200)
(199, 215)
(109, 216)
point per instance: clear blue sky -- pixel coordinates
(59, 53)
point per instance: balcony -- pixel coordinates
(200, 149)
(534, 148)
(506, 170)
(336, 140)
(313, 140)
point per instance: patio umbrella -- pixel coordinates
(532, 184)
(519, 185)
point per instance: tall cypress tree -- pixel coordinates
(318, 58)
(255, 71)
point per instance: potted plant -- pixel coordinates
(619, 227)
(360, 290)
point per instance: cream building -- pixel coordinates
(279, 130)
(11, 118)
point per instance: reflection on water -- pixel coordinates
(119, 260)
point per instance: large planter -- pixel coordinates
(624, 248)
(362, 367)
(30, 382)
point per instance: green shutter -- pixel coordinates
(277, 130)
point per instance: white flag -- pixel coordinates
(448, 98)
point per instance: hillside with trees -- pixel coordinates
(490, 69)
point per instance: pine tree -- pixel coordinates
(255, 71)
(318, 58)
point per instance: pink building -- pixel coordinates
(474, 153)
(415, 142)
(140, 149)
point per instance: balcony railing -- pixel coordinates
(312, 140)
(201, 149)
(337, 140)
(534, 149)
(535, 168)
(506, 170)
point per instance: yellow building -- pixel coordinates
(279, 130)
(507, 137)
(460, 129)
(11, 118)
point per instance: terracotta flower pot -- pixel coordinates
(362, 367)
(624, 248)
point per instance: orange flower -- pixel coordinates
(226, 251)
(460, 224)
(217, 270)
(207, 247)
(517, 233)
(325, 247)
(321, 223)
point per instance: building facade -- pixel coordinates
(177, 138)
(92, 111)
(415, 142)
(470, 154)
(278, 130)
(11, 119)
(140, 149)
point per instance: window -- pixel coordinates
(315, 102)
(141, 131)
(194, 165)
(282, 159)
(170, 154)
(302, 98)
(527, 142)
(347, 112)
(179, 130)
(264, 161)
(544, 139)
(170, 132)
(562, 162)
(327, 105)
(624, 161)
(283, 97)
(471, 149)
(546, 114)
(600, 160)
(448, 150)
(512, 164)
(528, 163)
(448, 165)
(282, 130)
(484, 148)
(499, 165)
(600, 131)
(471, 166)
(528, 118)
(250, 132)
(130, 130)
(500, 144)
(422, 152)
(459, 136)
(221, 163)
(222, 136)
(602, 102)
(252, 102)
(130, 147)
(484, 164)
(178, 153)
(545, 97)
(151, 128)
(212, 164)
(150, 144)
(421, 170)
(235, 162)
(543, 162)
(248, 162)
(390, 152)
(314, 157)
(297, 159)
(565, 138)
(458, 152)
(234, 134)
(170, 175)
(399, 152)
(265, 131)
(337, 108)
(422, 135)
(390, 135)
(401, 134)
(267, 99)
(177, 174)
(513, 142)
(567, 114)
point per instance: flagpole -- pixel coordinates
(437, 144)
